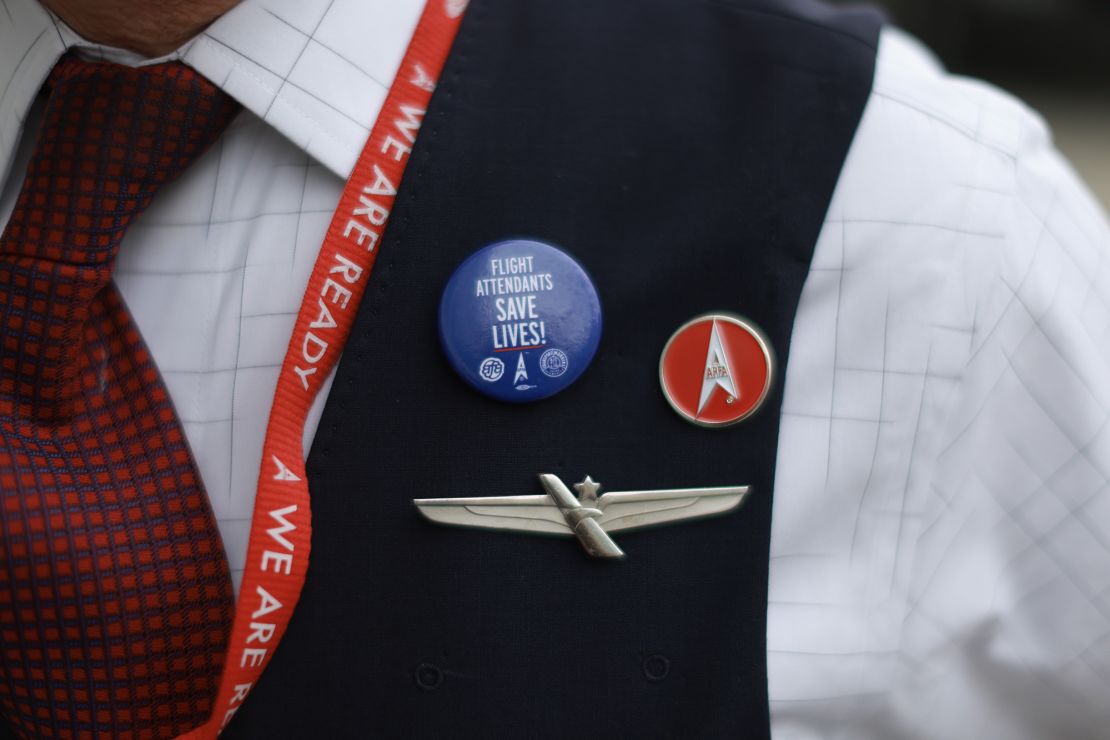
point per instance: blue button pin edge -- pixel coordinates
(520, 320)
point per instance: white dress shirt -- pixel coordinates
(940, 555)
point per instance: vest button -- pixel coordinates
(428, 677)
(656, 667)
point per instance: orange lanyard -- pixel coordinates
(281, 526)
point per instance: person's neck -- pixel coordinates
(152, 28)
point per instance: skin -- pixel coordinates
(149, 27)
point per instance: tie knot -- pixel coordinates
(112, 135)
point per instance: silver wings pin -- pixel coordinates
(588, 516)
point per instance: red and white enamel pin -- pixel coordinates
(716, 370)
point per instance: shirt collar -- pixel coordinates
(316, 70)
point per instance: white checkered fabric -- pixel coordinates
(941, 535)
(940, 563)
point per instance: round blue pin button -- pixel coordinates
(520, 320)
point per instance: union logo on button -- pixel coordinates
(716, 370)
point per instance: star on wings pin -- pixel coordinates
(589, 517)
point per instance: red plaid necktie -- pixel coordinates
(115, 599)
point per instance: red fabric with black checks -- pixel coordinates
(115, 595)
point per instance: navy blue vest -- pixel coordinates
(685, 152)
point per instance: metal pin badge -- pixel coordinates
(716, 370)
(520, 320)
(589, 517)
